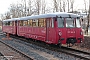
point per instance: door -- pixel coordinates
(50, 31)
(47, 29)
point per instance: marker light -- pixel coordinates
(81, 33)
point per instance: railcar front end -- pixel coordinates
(69, 30)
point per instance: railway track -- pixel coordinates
(77, 53)
(19, 45)
(18, 51)
(69, 51)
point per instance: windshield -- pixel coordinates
(70, 22)
(78, 23)
(60, 22)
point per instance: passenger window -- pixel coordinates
(11, 24)
(30, 23)
(25, 23)
(21, 23)
(35, 23)
(8, 23)
(42, 22)
(4, 23)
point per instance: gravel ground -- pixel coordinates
(9, 53)
(85, 43)
(36, 55)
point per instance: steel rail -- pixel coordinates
(18, 51)
(70, 51)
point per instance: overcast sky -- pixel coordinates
(4, 4)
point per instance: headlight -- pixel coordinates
(81, 33)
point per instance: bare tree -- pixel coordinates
(2, 16)
(86, 31)
(68, 4)
(55, 5)
(16, 10)
(24, 2)
(30, 8)
(43, 6)
(8, 15)
(38, 6)
(60, 6)
(85, 6)
(12, 10)
(64, 5)
(72, 3)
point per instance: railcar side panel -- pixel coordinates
(21, 31)
(36, 33)
(10, 29)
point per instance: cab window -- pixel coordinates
(60, 22)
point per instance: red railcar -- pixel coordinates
(10, 26)
(55, 28)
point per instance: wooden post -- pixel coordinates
(7, 37)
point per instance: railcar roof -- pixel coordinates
(58, 14)
(13, 19)
(62, 14)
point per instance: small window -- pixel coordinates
(44, 23)
(78, 23)
(52, 22)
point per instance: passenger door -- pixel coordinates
(47, 29)
(50, 31)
